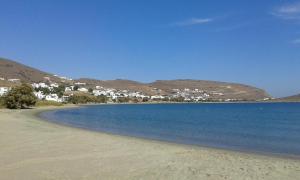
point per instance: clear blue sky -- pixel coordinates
(254, 42)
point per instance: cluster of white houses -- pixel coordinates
(113, 94)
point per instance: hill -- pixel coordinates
(295, 98)
(229, 90)
(217, 90)
(13, 70)
(118, 84)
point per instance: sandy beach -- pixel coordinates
(35, 149)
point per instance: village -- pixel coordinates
(52, 91)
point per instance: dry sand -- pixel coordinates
(32, 149)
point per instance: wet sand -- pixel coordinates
(34, 149)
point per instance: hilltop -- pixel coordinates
(13, 70)
(217, 90)
(295, 98)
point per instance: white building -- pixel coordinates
(2, 79)
(99, 87)
(40, 85)
(68, 89)
(54, 85)
(99, 92)
(157, 97)
(53, 97)
(83, 89)
(39, 95)
(14, 80)
(3, 90)
(79, 83)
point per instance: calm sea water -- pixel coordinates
(256, 127)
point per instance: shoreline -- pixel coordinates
(254, 153)
(51, 145)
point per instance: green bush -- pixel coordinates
(20, 97)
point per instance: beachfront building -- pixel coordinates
(156, 97)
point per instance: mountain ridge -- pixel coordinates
(218, 90)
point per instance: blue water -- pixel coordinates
(255, 127)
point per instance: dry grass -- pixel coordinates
(48, 103)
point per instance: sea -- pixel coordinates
(267, 128)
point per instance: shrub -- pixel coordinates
(102, 99)
(145, 99)
(76, 87)
(87, 98)
(79, 99)
(20, 97)
(123, 99)
(2, 105)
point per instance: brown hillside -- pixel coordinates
(295, 98)
(230, 90)
(118, 84)
(13, 70)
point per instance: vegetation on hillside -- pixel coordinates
(86, 98)
(55, 90)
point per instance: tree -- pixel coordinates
(123, 99)
(90, 90)
(145, 99)
(45, 91)
(20, 97)
(76, 88)
(102, 99)
(59, 90)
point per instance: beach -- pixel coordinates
(35, 149)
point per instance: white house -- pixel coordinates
(2, 79)
(83, 89)
(53, 97)
(54, 85)
(157, 97)
(3, 90)
(79, 83)
(99, 92)
(40, 85)
(39, 95)
(68, 89)
(13, 80)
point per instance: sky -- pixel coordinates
(253, 42)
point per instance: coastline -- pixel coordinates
(71, 106)
(37, 149)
